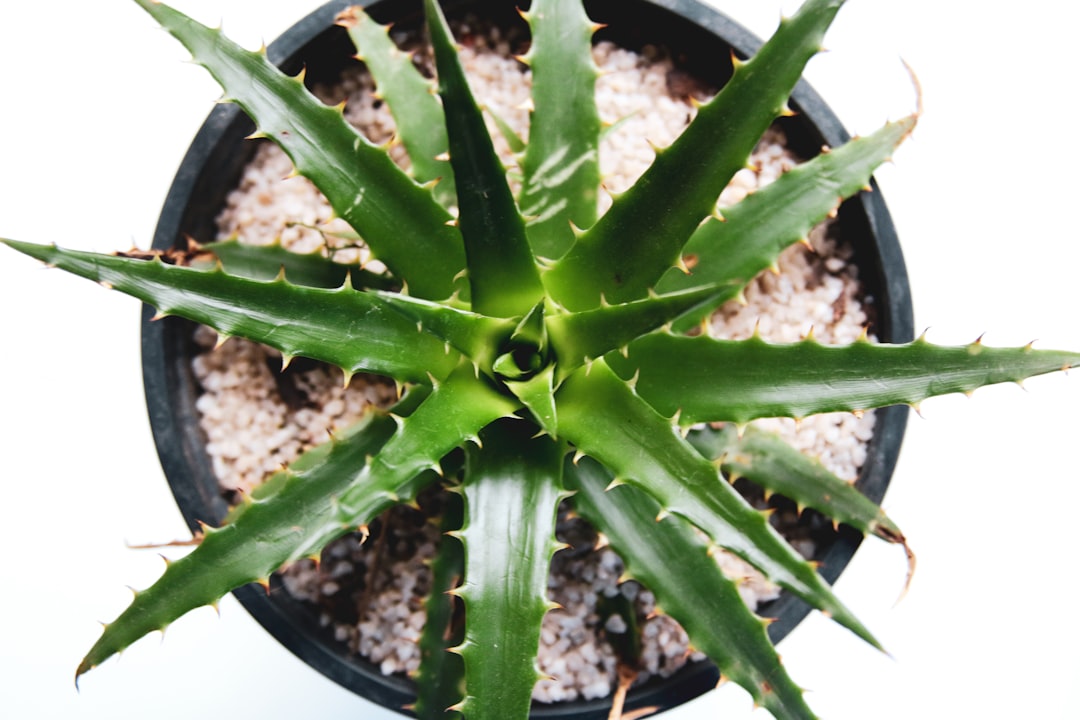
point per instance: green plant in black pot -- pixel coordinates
(545, 351)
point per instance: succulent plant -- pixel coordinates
(544, 351)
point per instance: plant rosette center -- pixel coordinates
(526, 353)
(521, 361)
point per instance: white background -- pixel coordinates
(96, 110)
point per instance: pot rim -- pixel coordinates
(170, 387)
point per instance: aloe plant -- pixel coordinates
(548, 342)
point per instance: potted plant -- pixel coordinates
(210, 173)
(535, 361)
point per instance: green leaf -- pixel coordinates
(531, 330)
(767, 461)
(708, 380)
(537, 394)
(317, 455)
(342, 487)
(503, 276)
(755, 231)
(265, 534)
(512, 488)
(440, 680)
(418, 116)
(513, 140)
(399, 220)
(694, 591)
(267, 262)
(357, 331)
(478, 337)
(561, 163)
(642, 235)
(582, 336)
(641, 447)
(454, 413)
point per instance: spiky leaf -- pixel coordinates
(440, 680)
(357, 331)
(537, 394)
(755, 231)
(641, 236)
(799, 379)
(266, 534)
(561, 163)
(418, 117)
(267, 262)
(399, 220)
(503, 276)
(476, 336)
(693, 590)
(376, 465)
(640, 446)
(512, 488)
(767, 461)
(577, 337)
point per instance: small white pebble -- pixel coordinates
(615, 624)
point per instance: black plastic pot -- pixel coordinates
(701, 40)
